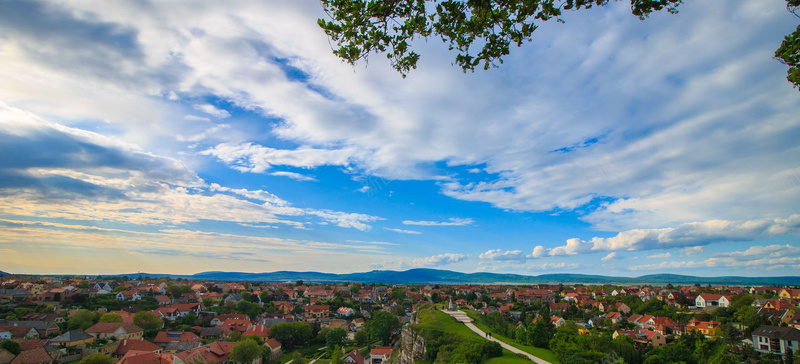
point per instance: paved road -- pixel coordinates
(461, 316)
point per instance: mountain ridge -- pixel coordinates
(439, 276)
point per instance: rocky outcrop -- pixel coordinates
(412, 346)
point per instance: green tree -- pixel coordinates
(82, 320)
(250, 309)
(336, 355)
(335, 337)
(245, 351)
(147, 321)
(97, 358)
(540, 333)
(297, 358)
(480, 31)
(381, 326)
(789, 51)
(360, 27)
(291, 334)
(361, 337)
(111, 317)
(12, 346)
(235, 336)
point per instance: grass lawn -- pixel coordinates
(441, 321)
(508, 358)
(438, 320)
(539, 352)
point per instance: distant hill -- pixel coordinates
(438, 276)
(434, 276)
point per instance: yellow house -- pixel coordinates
(73, 338)
(789, 293)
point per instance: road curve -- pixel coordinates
(462, 317)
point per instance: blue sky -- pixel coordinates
(180, 137)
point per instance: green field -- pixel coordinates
(538, 352)
(441, 321)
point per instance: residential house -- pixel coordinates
(345, 312)
(275, 349)
(214, 353)
(117, 330)
(34, 356)
(124, 346)
(788, 293)
(236, 325)
(175, 347)
(283, 306)
(708, 300)
(706, 328)
(43, 328)
(557, 321)
(353, 357)
(379, 355)
(130, 295)
(145, 357)
(776, 339)
(165, 337)
(6, 356)
(233, 299)
(214, 332)
(219, 319)
(20, 332)
(615, 317)
(643, 337)
(46, 317)
(257, 330)
(559, 307)
(321, 294)
(73, 338)
(313, 312)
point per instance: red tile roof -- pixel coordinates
(139, 345)
(33, 356)
(170, 336)
(145, 357)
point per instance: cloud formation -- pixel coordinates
(502, 255)
(427, 262)
(453, 221)
(770, 257)
(690, 235)
(88, 176)
(401, 231)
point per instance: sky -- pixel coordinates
(182, 137)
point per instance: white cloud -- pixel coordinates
(213, 111)
(770, 257)
(248, 157)
(660, 143)
(760, 257)
(87, 176)
(294, 176)
(685, 235)
(502, 255)
(453, 221)
(660, 256)
(428, 262)
(610, 256)
(404, 231)
(538, 252)
(692, 250)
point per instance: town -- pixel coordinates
(144, 320)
